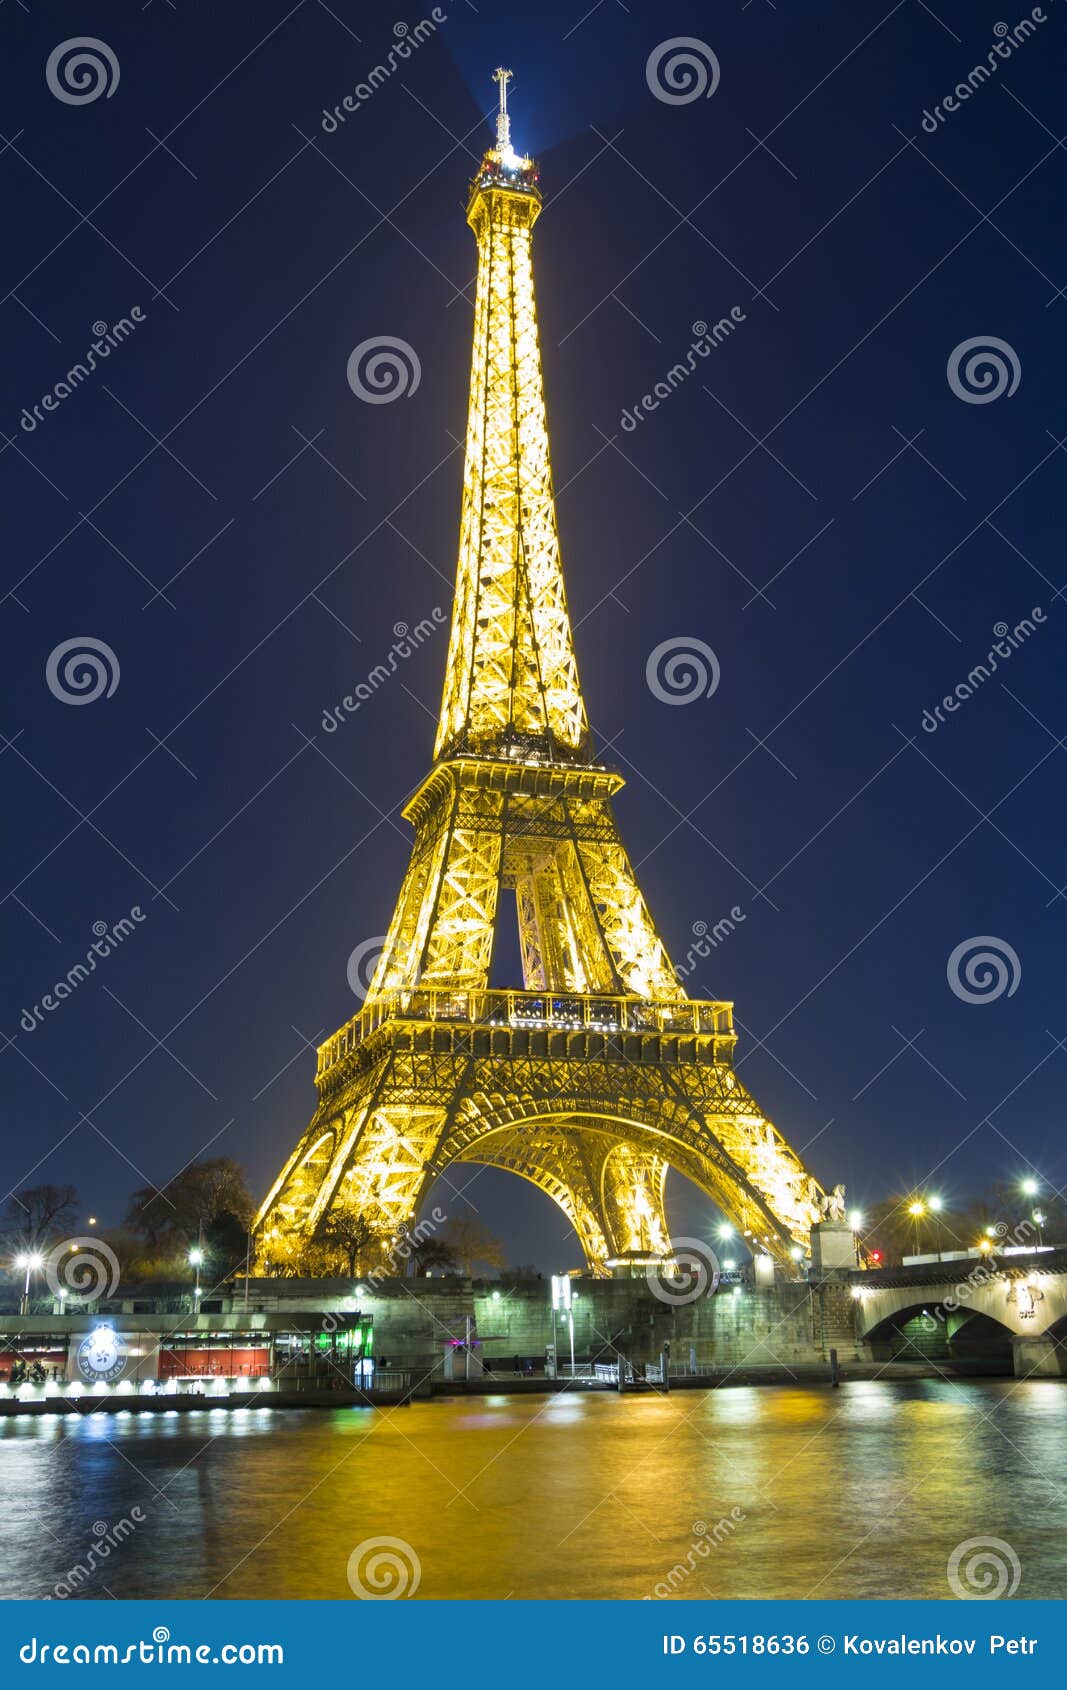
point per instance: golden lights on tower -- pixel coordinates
(598, 1073)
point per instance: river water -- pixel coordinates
(743, 1492)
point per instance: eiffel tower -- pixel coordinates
(599, 1074)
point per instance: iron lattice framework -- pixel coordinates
(600, 1073)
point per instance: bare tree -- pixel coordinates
(36, 1218)
(348, 1235)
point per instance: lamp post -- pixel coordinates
(562, 1301)
(1039, 1218)
(935, 1206)
(917, 1210)
(31, 1260)
(196, 1260)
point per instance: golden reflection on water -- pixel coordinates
(864, 1491)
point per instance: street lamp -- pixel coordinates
(936, 1205)
(917, 1210)
(196, 1260)
(31, 1261)
(562, 1300)
(725, 1230)
(1029, 1187)
(855, 1220)
(1039, 1218)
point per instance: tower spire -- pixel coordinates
(503, 121)
(511, 684)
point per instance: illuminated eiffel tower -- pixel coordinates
(599, 1073)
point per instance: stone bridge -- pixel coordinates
(982, 1313)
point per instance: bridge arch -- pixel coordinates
(961, 1339)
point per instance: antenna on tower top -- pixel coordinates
(503, 122)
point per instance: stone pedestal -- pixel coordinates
(833, 1248)
(763, 1271)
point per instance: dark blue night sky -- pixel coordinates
(817, 503)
